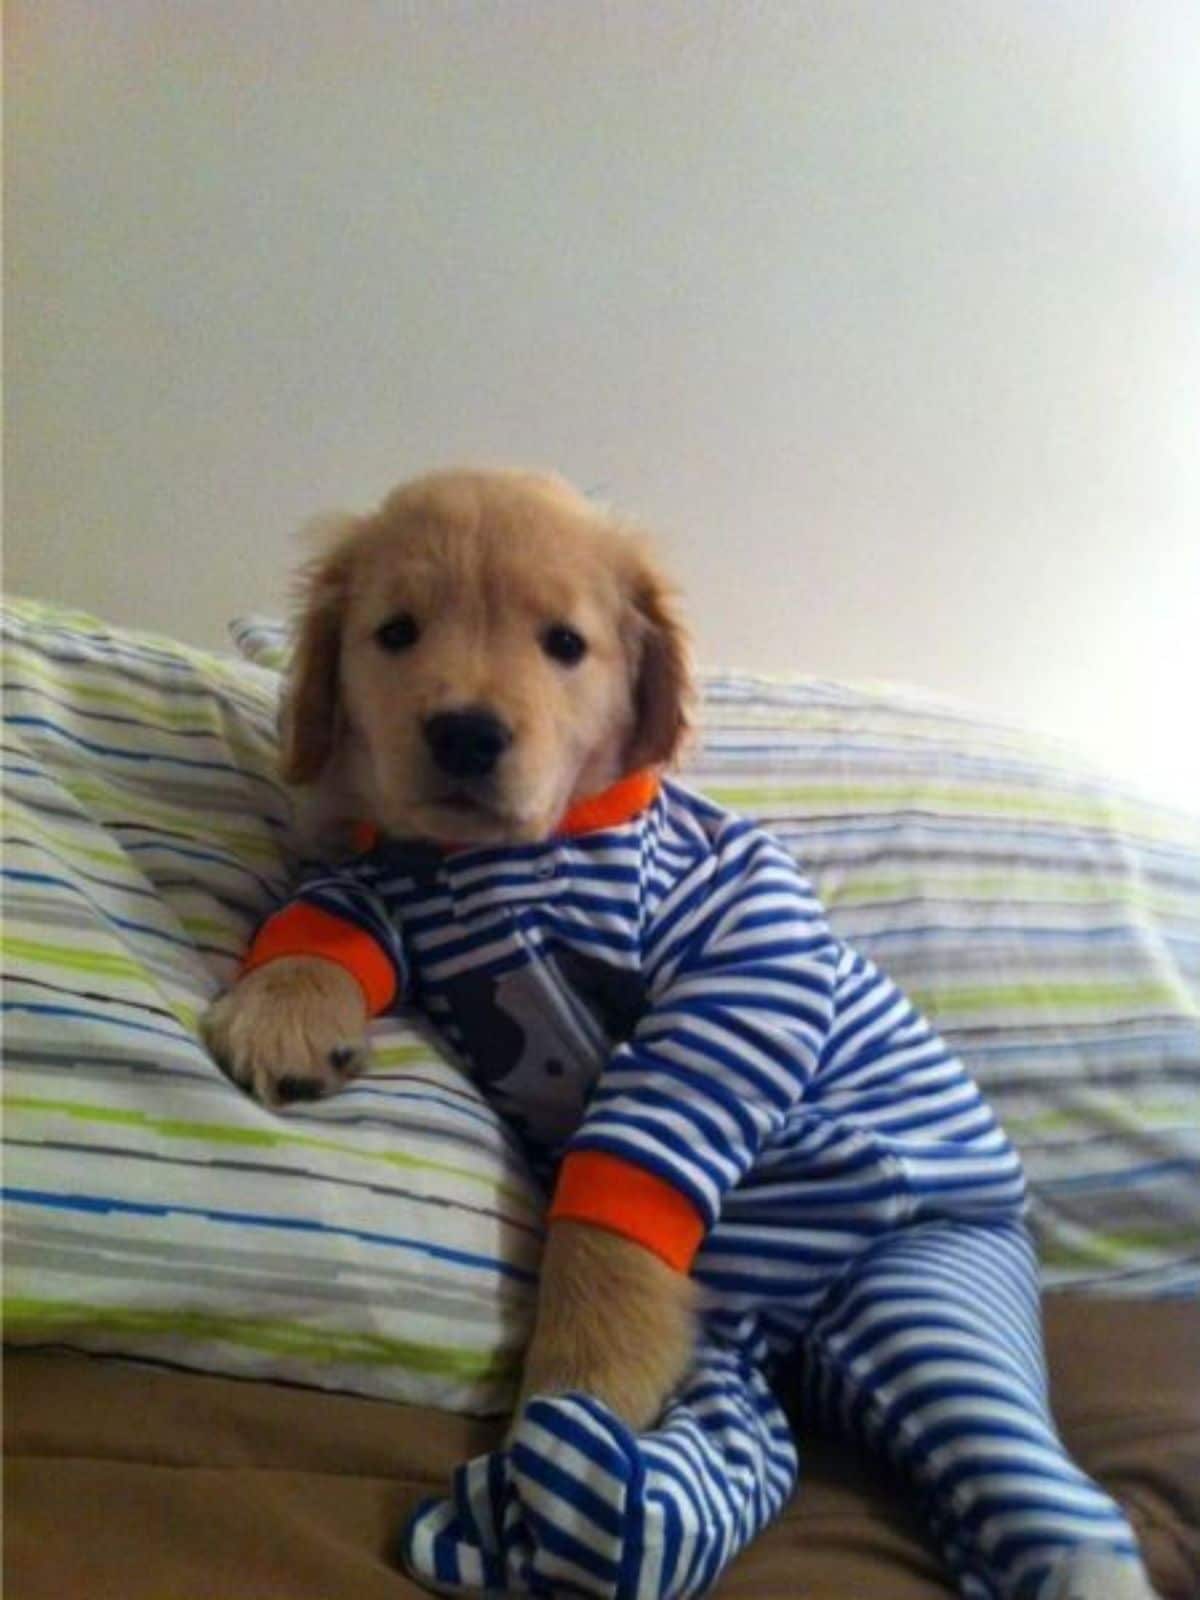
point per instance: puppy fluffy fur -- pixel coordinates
(477, 570)
(484, 564)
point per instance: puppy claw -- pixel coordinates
(289, 1089)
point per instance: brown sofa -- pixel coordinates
(126, 1482)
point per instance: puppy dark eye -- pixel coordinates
(563, 644)
(397, 633)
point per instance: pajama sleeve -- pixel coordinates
(339, 916)
(739, 963)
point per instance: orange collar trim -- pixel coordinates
(620, 802)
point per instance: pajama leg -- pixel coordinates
(578, 1504)
(930, 1351)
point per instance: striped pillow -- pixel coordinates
(384, 1241)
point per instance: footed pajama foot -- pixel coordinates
(579, 1504)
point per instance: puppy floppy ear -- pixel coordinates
(308, 713)
(663, 684)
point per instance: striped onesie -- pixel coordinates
(656, 1001)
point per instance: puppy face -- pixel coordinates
(479, 653)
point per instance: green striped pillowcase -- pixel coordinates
(385, 1242)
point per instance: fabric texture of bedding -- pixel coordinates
(385, 1241)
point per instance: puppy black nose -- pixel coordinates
(467, 744)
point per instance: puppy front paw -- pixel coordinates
(294, 1029)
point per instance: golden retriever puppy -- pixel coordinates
(479, 656)
(489, 669)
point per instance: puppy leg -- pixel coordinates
(613, 1322)
(930, 1348)
(294, 1029)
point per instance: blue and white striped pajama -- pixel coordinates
(662, 996)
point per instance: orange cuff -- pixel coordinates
(304, 930)
(614, 1194)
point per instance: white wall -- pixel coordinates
(887, 314)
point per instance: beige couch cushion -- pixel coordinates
(130, 1483)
